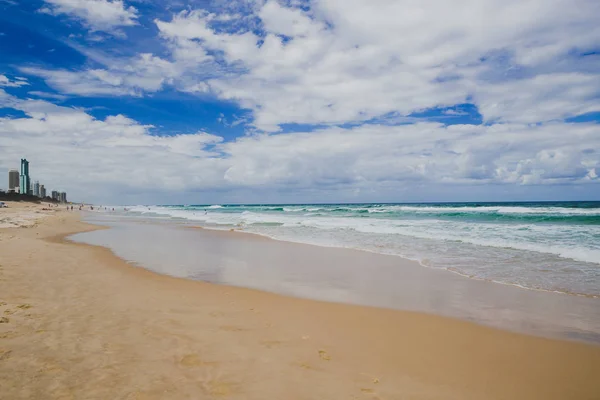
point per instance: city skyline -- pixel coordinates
(20, 182)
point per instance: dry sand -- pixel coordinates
(23, 214)
(76, 322)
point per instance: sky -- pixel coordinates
(298, 101)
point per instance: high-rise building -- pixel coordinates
(42, 191)
(63, 197)
(55, 195)
(24, 181)
(13, 180)
(36, 189)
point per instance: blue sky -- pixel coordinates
(144, 101)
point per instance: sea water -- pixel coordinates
(553, 246)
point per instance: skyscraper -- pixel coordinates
(13, 180)
(42, 191)
(55, 195)
(63, 197)
(36, 189)
(24, 182)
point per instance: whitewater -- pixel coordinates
(543, 246)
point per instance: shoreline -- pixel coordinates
(419, 262)
(139, 334)
(344, 276)
(539, 255)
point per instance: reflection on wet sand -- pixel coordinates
(343, 275)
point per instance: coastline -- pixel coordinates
(411, 260)
(546, 247)
(83, 323)
(340, 275)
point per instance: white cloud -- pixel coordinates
(144, 73)
(97, 15)
(423, 152)
(541, 98)
(117, 156)
(287, 21)
(17, 82)
(352, 60)
(47, 95)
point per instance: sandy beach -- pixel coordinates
(77, 322)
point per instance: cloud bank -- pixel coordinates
(71, 147)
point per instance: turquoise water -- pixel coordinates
(551, 246)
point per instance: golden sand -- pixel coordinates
(76, 322)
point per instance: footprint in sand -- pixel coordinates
(24, 306)
(373, 379)
(230, 328)
(194, 360)
(269, 344)
(305, 365)
(190, 360)
(324, 356)
(5, 354)
(213, 384)
(216, 314)
(4, 320)
(218, 388)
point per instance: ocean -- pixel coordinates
(551, 246)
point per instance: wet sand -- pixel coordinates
(340, 275)
(80, 323)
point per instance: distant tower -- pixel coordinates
(42, 191)
(25, 182)
(36, 189)
(13, 180)
(63, 197)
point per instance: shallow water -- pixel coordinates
(549, 246)
(341, 275)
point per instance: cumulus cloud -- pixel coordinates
(424, 152)
(144, 73)
(346, 61)
(541, 98)
(97, 15)
(351, 61)
(116, 156)
(17, 82)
